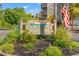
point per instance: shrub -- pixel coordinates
(1, 40)
(7, 48)
(73, 44)
(51, 51)
(62, 43)
(11, 37)
(0, 24)
(5, 25)
(62, 34)
(28, 37)
(61, 38)
(42, 53)
(8, 26)
(51, 38)
(28, 46)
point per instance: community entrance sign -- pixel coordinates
(39, 27)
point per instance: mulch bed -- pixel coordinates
(69, 52)
(40, 46)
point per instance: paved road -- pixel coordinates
(74, 35)
(3, 33)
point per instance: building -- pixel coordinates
(54, 9)
(43, 12)
(38, 15)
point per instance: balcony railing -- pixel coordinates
(42, 13)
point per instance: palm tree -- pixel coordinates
(74, 12)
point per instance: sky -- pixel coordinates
(32, 8)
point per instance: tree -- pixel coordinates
(12, 16)
(0, 11)
(1, 15)
(74, 12)
(50, 18)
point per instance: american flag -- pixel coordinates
(65, 13)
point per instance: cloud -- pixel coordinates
(37, 10)
(34, 11)
(39, 3)
(31, 10)
(25, 7)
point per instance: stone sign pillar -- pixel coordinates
(55, 26)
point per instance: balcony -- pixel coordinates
(43, 13)
(44, 5)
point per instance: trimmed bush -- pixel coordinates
(28, 46)
(51, 51)
(7, 48)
